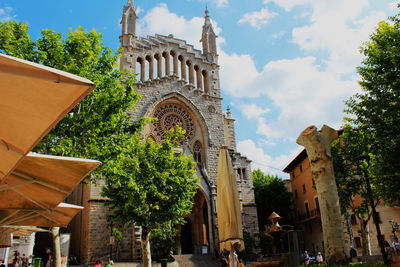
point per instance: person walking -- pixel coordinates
(396, 245)
(98, 263)
(223, 262)
(235, 260)
(47, 258)
(306, 258)
(320, 259)
(353, 253)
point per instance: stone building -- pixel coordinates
(308, 215)
(179, 85)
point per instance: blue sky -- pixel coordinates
(285, 64)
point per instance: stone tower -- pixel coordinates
(179, 85)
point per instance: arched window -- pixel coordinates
(197, 153)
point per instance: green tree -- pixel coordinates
(351, 189)
(163, 241)
(376, 111)
(97, 125)
(271, 195)
(152, 186)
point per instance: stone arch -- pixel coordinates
(191, 71)
(140, 60)
(189, 106)
(200, 223)
(199, 83)
(174, 55)
(198, 153)
(149, 59)
(204, 73)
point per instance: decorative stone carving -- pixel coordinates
(169, 116)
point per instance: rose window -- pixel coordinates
(170, 116)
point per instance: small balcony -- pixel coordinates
(313, 214)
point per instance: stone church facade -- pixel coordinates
(179, 85)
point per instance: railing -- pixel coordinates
(315, 213)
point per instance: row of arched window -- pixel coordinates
(170, 63)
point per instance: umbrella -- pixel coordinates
(59, 216)
(33, 99)
(228, 206)
(19, 230)
(41, 182)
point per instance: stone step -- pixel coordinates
(190, 260)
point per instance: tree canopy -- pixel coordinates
(351, 187)
(99, 124)
(271, 195)
(376, 111)
(151, 186)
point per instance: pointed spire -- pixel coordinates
(130, 3)
(207, 21)
(228, 112)
(208, 39)
(129, 18)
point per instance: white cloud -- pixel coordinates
(258, 18)
(252, 111)
(304, 94)
(6, 13)
(338, 29)
(265, 162)
(161, 21)
(278, 35)
(305, 90)
(139, 10)
(221, 3)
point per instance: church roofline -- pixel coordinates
(159, 40)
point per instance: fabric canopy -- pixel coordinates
(33, 99)
(41, 182)
(19, 230)
(228, 205)
(59, 216)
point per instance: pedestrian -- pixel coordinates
(320, 259)
(396, 244)
(24, 260)
(235, 260)
(98, 263)
(109, 264)
(17, 257)
(306, 258)
(223, 262)
(47, 258)
(353, 253)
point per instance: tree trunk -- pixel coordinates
(146, 253)
(318, 147)
(365, 239)
(55, 232)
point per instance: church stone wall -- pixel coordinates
(172, 71)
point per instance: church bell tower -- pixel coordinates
(128, 37)
(208, 38)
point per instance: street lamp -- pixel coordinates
(395, 227)
(371, 200)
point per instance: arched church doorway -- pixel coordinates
(195, 233)
(186, 238)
